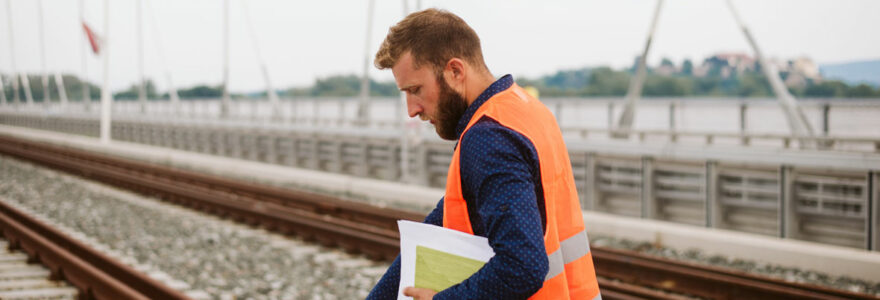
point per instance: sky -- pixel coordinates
(301, 41)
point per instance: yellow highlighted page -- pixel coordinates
(438, 270)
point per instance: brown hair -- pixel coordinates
(434, 37)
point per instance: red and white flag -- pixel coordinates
(95, 40)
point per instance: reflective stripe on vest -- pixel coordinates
(570, 249)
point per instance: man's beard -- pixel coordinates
(450, 107)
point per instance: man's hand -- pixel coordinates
(419, 293)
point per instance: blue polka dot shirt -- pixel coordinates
(502, 187)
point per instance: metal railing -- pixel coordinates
(842, 143)
(842, 124)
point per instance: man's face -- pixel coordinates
(429, 97)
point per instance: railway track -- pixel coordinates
(95, 275)
(371, 231)
(20, 279)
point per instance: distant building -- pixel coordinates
(795, 80)
(806, 67)
(738, 62)
(800, 71)
(725, 65)
(797, 73)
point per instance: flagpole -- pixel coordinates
(25, 82)
(44, 75)
(362, 113)
(83, 82)
(106, 97)
(172, 91)
(15, 97)
(142, 91)
(224, 105)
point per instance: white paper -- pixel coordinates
(414, 234)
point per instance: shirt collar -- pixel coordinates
(498, 86)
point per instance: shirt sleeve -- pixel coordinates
(499, 177)
(388, 285)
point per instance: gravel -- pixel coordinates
(205, 256)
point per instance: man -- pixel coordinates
(510, 178)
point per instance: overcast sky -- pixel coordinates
(305, 40)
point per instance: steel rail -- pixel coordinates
(704, 281)
(95, 275)
(618, 290)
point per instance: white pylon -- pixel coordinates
(365, 80)
(142, 89)
(225, 101)
(14, 76)
(634, 93)
(62, 91)
(26, 84)
(797, 122)
(45, 75)
(270, 90)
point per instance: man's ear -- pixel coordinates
(454, 72)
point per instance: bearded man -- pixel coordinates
(510, 178)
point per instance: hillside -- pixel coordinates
(854, 72)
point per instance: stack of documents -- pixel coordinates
(436, 258)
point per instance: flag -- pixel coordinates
(94, 39)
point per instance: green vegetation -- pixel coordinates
(343, 86)
(73, 87)
(201, 92)
(717, 76)
(606, 82)
(132, 92)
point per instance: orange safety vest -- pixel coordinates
(571, 274)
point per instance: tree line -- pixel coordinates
(584, 82)
(606, 82)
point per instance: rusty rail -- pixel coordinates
(96, 275)
(372, 231)
(704, 281)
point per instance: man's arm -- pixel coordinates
(389, 284)
(499, 172)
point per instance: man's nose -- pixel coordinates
(412, 108)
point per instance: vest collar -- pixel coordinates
(504, 83)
